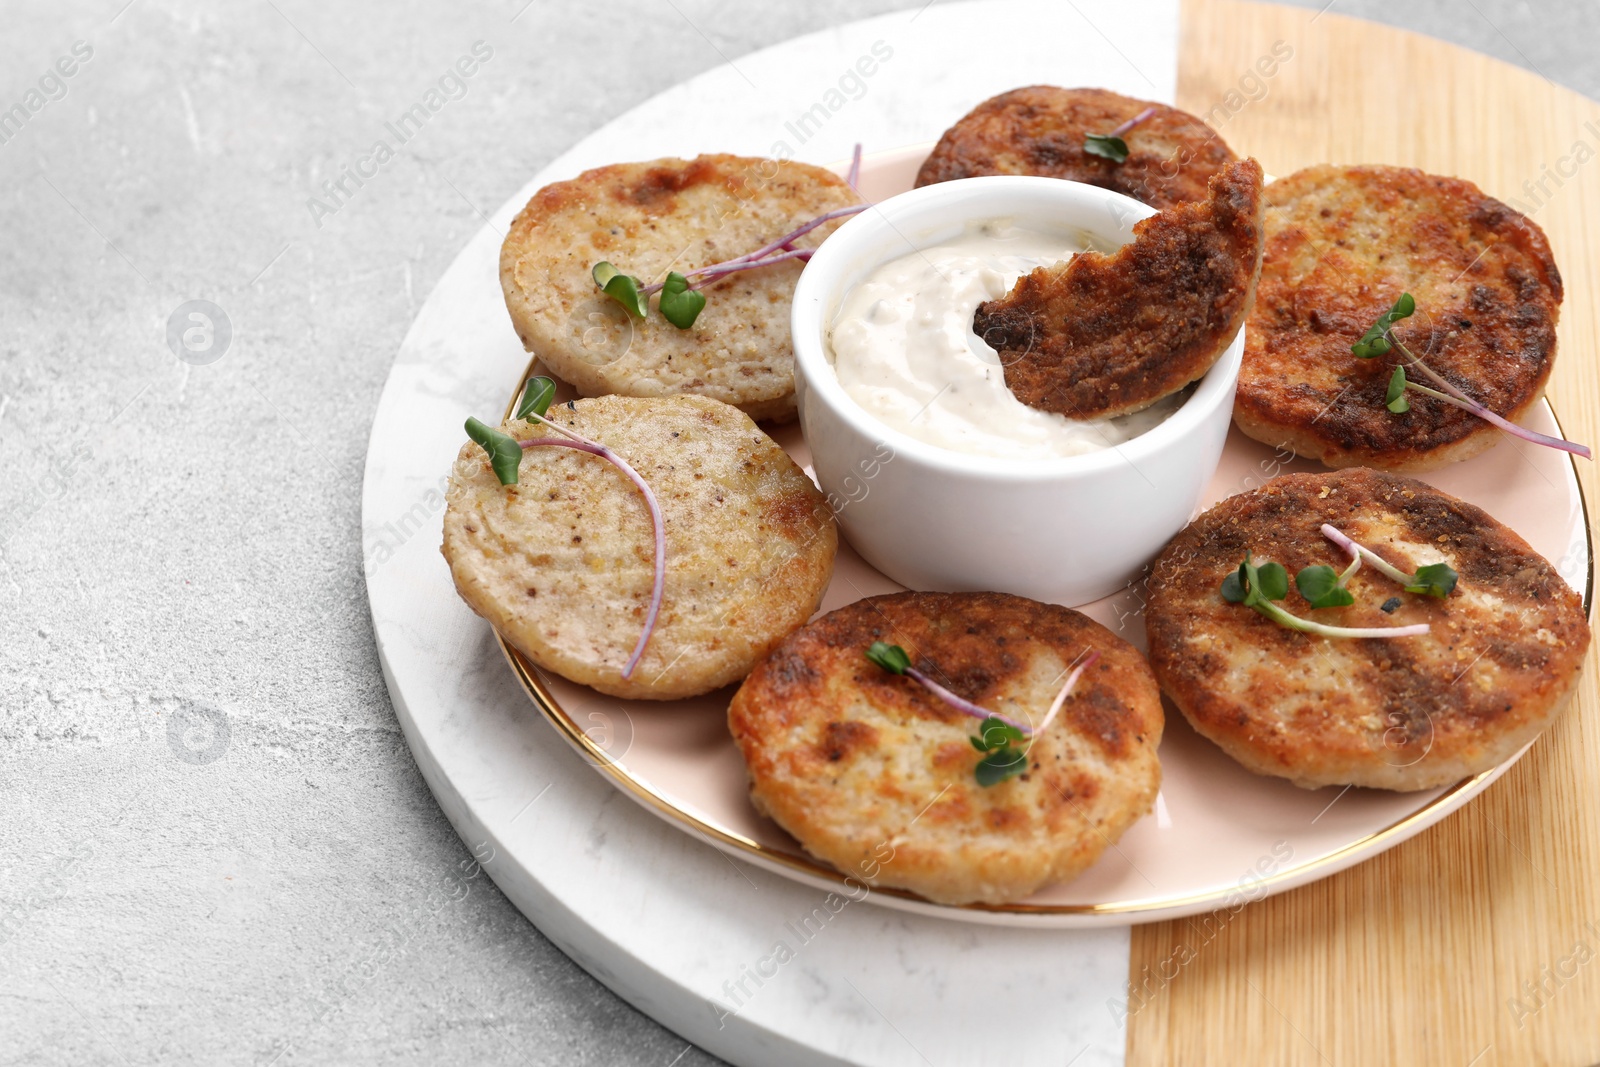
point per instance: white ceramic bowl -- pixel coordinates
(1069, 530)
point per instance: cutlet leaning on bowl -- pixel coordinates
(1110, 334)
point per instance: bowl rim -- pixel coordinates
(963, 198)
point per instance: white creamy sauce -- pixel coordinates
(903, 346)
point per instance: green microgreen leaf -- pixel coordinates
(977, 743)
(997, 733)
(1254, 584)
(536, 396)
(1233, 590)
(1375, 342)
(998, 766)
(623, 288)
(1395, 398)
(1106, 146)
(505, 455)
(1323, 587)
(1436, 580)
(891, 658)
(680, 305)
(1272, 581)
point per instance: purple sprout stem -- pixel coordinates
(1452, 395)
(799, 231)
(763, 256)
(1131, 123)
(719, 270)
(1066, 690)
(853, 175)
(977, 711)
(1360, 552)
(657, 522)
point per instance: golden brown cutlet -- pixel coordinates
(649, 218)
(854, 760)
(1040, 130)
(1500, 660)
(1342, 243)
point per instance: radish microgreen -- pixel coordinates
(1111, 145)
(894, 659)
(680, 305)
(681, 302)
(1394, 398)
(505, 456)
(1434, 579)
(623, 288)
(1324, 587)
(996, 734)
(536, 397)
(1260, 586)
(998, 739)
(1380, 340)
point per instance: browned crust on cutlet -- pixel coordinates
(1040, 130)
(1107, 335)
(1342, 243)
(1406, 713)
(873, 774)
(648, 218)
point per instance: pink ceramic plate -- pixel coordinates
(1219, 835)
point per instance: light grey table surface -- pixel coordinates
(214, 845)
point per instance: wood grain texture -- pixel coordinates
(1421, 955)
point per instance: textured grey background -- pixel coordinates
(214, 846)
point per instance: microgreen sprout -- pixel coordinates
(1260, 586)
(1379, 340)
(680, 305)
(623, 288)
(1325, 587)
(1435, 579)
(998, 741)
(536, 397)
(1111, 145)
(997, 735)
(681, 300)
(893, 659)
(1066, 690)
(505, 456)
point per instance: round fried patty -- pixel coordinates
(1040, 130)
(646, 219)
(1342, 244)
(1105, 335)
(874, 774)
(1501, 658)
(562, 564)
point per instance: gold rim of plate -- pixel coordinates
(641, 791)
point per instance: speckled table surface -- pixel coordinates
(214, 840)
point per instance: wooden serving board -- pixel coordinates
(1434, 952)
